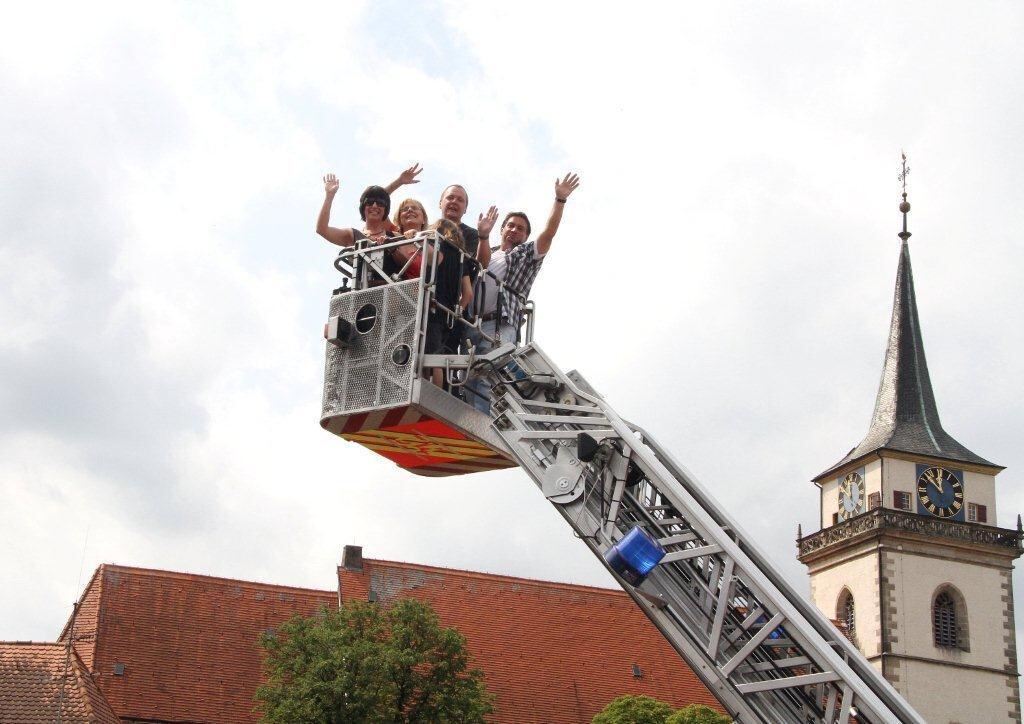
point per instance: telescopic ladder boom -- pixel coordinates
(765, 651)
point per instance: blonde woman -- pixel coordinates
(410, 219)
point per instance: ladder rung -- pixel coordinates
(789, 682)
(691, 553)
(778, 664)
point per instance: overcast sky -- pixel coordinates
(723, 275)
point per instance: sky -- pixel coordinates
(723, 275)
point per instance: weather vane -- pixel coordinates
(904, 205)
(903, 174)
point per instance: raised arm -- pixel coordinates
(484, 225)
(563, 189)
(408, 176)
(341, 237)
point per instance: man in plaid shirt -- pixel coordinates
(515, 263)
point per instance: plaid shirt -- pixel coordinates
(523, 265)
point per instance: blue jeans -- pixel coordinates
(477, 384)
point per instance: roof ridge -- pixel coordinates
(185, 575)
(492, 576)
(77, 665)
(81, 599)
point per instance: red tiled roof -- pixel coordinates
(188, 643)
(550, 652)
(37, 680)
(84, 620)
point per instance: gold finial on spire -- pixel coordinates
(904, 205)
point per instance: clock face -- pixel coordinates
(851, 495)
(940, 492)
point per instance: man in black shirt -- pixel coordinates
(453, 204)
(452, 289)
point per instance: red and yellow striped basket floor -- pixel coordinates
(421, 444)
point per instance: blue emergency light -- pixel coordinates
(634, 556)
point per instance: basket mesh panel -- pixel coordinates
(364, 377)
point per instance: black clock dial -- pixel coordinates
(940, 492)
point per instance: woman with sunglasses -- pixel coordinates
(374, 205)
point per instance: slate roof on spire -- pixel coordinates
(906, 418)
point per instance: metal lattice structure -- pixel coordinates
(767, 653)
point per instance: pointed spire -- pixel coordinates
(906, 417)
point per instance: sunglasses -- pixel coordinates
(376, 202)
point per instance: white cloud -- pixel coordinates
(723, 274)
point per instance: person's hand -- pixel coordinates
(566, 186)
(408, 176)
(485, 223)
(410, 233)
(331, 184)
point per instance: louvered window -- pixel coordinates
(848, 615)
(944, 621)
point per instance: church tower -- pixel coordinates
(908, 558)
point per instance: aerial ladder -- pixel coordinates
(762, 649)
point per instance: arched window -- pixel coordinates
(845, 612)
(949, 619)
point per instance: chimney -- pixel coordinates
(352, 558)
(353, 576)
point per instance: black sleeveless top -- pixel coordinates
(388, 263)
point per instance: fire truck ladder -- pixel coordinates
(766, 653)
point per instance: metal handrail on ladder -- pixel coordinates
(762, 649)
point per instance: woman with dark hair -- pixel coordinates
(374, 205)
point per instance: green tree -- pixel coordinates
(698, 714)
(370, 663)
(631, 709)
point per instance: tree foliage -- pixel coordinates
(370, 663)
(698, 714)
(631, 709)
